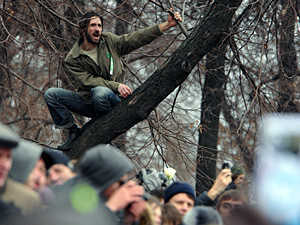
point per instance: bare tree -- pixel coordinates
(230, 88)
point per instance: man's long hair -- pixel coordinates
(85, 20)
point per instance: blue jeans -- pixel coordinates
(62, 102)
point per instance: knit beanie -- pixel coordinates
(237, 170)
(52, 157)
(103, 165)
(178, 187)
(202, 215)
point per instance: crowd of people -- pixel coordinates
(44, 186)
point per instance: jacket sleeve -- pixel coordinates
(129, 42)
(87, 80)
(204, 200)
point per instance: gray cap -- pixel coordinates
(202, 215)
(7, 138)
(103, 165)
(25, 157)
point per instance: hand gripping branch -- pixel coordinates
(184, 31)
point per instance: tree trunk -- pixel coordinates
(210, 32)
(213, 94)
(288, 58)
(122, 8)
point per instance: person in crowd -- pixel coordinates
(181, 195)
(226, 180)
(29, 168)
(120, 199)
(112, 181)
(202, 215)
(170, 215)
(210, 197)
(148, 217)
(238, 174)
(230, 203)
(156, 207)
(11, 191)
(95, 63)
(59, 166)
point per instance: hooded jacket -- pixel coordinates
(110, 48)
(25, 157)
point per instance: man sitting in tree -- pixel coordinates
(95, 63)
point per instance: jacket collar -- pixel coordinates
(75, 51)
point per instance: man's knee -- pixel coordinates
(50, 94)
(101, 92)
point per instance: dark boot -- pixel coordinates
(74, 132)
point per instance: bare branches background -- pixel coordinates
(260, 72)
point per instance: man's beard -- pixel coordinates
(90, 39)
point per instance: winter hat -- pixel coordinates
(103, 165)
(7, 138)
(52, 157)
(178, 187)
(202, 215)
(237, 170)
(24, 157)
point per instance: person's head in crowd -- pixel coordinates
(59, 167)
(148, 217)
(228, 203)
(107, 168)
(160, 194)
(8, 141)
(28, 166)
(202, 215)
(11, 191)
(156, 207)
(97, 166)
(170, 215)
(181, 195)
(238, 174)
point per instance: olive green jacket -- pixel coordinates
(89, 75)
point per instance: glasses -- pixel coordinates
(121, 182)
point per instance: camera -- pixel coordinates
(226, 165)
